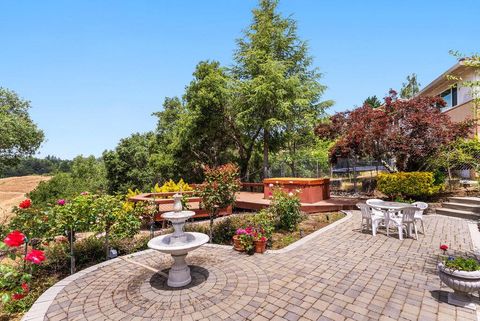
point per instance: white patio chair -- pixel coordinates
(369, 219)
(422, 206)
(405, 222)
(372, 202)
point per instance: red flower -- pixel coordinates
(15, 238)
(25, 204)
(18, 296)
(25, 287)
(444, 247)
(35, 256)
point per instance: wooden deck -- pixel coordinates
(255, 201)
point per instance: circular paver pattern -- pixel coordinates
(138, 292)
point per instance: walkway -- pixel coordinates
(341, 274)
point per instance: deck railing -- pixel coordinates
(252, 187)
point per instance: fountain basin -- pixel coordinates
(193, 240)
(178, 247)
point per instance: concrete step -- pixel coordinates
(465, 200)
(457, 213)
(462, 207)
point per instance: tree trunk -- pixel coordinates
(389, 168)
(292, 168)
(213, 215)
(106, 245)
(355, 174)
(266, 138)
(71, 239)
(294, 174)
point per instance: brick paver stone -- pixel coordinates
(342, 274)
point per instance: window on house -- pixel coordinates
(450, 97)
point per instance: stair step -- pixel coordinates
(457, 213)
(465, 200)
(462, 206)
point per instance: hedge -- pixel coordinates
(407, 184)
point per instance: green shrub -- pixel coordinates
(286, 208)
(265, 220)
(127, 226)
(407, 184)
(33, 221)
(223, 230)
(13, 307)
(89, 251)
(48, 192)
(130, 244)
(57, 258)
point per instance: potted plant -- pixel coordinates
(237, 244)
(247, 240)
(260, 240)
(260, 244)
(463, 276)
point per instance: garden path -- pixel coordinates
(340, 274)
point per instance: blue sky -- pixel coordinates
(96, 70)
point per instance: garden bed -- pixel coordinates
(310, 224)
(225, 228)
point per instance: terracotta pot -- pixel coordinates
(260, 246)
(462, 282)
(237, 245)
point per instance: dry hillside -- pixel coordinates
(13, 190)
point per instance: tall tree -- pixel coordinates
(170, 126)
(206, 139)
(128, 165)
(410, 88)
(19, 135)
(277, 83)
(372, 101)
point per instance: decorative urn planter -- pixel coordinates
(237, 245)
(260, 246)
(463, 283)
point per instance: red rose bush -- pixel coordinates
(15, 277)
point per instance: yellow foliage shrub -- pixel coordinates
(127, 205)
(171, 186)
(407, 184)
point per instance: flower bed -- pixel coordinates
(226, 228)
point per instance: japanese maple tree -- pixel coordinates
(406, 131)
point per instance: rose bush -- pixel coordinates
(14, 277)
(15, 238)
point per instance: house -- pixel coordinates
(460, 105)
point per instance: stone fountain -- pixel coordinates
(178, 244)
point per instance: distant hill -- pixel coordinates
(13, 190)
(36, 166)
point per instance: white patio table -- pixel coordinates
(387, 208)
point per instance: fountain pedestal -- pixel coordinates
(178, 244)
(179, 274)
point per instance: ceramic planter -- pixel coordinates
(463, 283)
(260, 246)
(237, 245)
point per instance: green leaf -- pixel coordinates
(5, 297)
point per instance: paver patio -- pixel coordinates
(341, 274)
